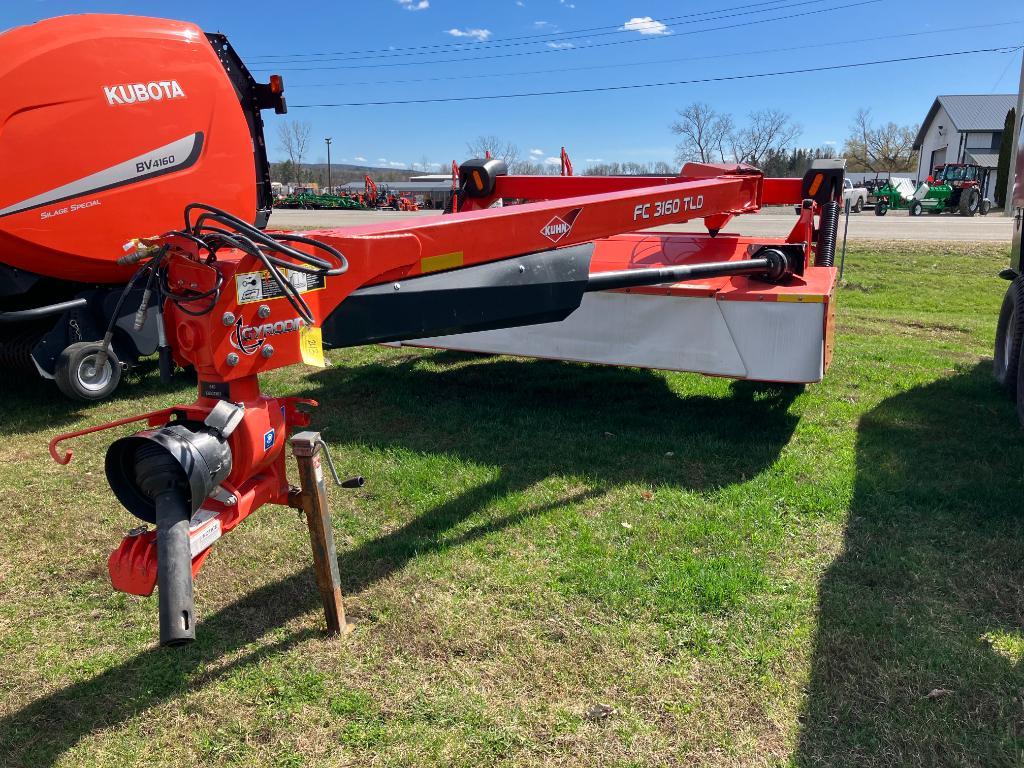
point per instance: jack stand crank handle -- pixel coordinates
(356, 481)
(174, 568)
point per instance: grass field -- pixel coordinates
(740, 575)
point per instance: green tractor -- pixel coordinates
(952, 188)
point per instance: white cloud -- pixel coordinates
(541, 23)
(382, 159)
(397, 164)
(476, 34)
(520, 3)
(645, 25)
(595, 159)
(561, 46)
(552, 161)
(830, 143)
(359, 159)
(567, 5)
(537, 152)
(414, 5)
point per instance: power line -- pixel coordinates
(829, 44)
(536, 36)
(641, 39)
(601, 89)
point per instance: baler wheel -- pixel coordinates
(1009, 337)
(881, 208)
(76, 374)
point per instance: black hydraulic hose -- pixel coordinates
(628, 278)
(108, 336)
(275, 243)
(174, 568)
(828, 234)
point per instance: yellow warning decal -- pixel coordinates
(802, 298)
(311, 344)
(444, 261)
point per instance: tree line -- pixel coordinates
(764, 138)
(767, 139)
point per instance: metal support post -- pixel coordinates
(311, 498)
(1015, 146)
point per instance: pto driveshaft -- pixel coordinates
(772, 264)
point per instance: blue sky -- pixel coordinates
(311, 44)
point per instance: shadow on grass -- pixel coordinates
(929, 591)
(33, 404)
(537, 418)
(39, 734)
(531, 419)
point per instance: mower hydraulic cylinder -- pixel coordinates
(772, 266)
(174, 568)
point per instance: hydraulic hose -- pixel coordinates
(828, 234)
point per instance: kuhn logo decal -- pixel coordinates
(132, 93)
(560, 226)
(249, 338)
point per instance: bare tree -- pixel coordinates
(888, 147)
(294, 138)
(705, 133)
(499, 148)
(659, 167)
(769, 131)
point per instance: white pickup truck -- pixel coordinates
(856, 195)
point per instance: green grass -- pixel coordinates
(744, 575)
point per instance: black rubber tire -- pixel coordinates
(915, 208)
(1009, 337)
(858, 206)
(970, 201)
(1020, 386)
(985, 207)
(881, 208)
(72, 372)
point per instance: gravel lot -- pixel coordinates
(897, 225)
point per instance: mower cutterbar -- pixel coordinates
(203, 468)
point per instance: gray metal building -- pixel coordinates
(963, 129)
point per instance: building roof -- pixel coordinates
(986, 159)
(970, 112)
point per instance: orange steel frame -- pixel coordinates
(595, 207)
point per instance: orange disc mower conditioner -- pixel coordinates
(109, 126)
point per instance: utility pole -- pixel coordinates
(1008, 205)
(328, 142)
